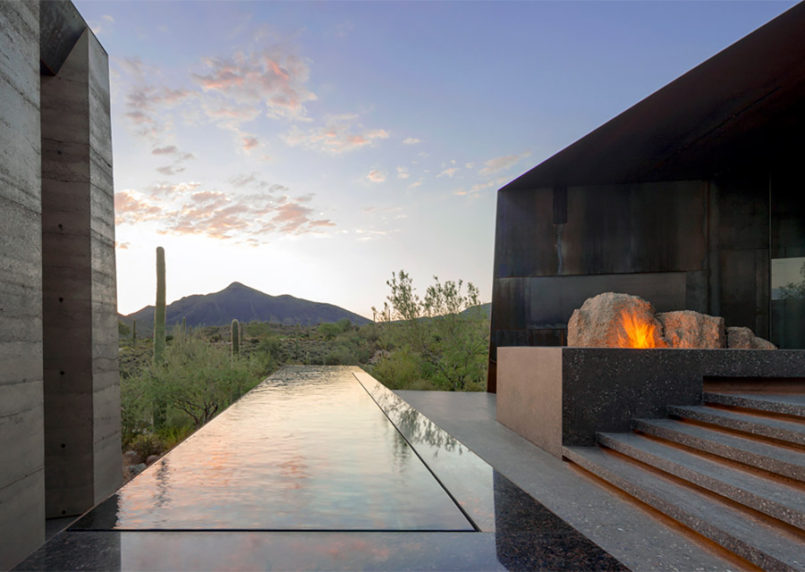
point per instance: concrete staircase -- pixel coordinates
(732, 470)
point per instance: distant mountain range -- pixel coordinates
(245, 304)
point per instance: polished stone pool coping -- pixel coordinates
(509, 529)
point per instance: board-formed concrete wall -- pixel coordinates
(82, 413)
(59, 384)
(22, 473)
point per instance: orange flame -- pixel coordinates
(637, 332)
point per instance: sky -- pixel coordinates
(313, 148)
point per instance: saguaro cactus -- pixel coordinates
(159, 309)
(235, 336)
(133, 332)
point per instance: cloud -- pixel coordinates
(272, 80)
(249, 142)
(415, 184)
(493, 184)
(170, 170)
(411, 141)
(167, 150)
(161, 189)
(376, 176)
(130, 208)
(339, 134)
(477, 188)
(132, 66)
(449, 172)
(187, 209)
(402, 173)
(177, 156)
(251, 180)
(145, 106)
(122, 245)
(498, 164)
(99, 28)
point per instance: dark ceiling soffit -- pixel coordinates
(60, 26)
(737, 102)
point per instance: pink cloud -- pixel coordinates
(129, 209)
(274, 79)
(167, 150)
(186, 209)
(497, 164)
(449, 172)
(340, 134)
(376, 176)
(249, 143)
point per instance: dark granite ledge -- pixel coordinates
(217, 550)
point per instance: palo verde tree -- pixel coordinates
(443, 337)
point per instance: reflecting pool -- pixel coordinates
(309, 450)
(320, 468)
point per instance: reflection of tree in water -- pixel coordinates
(794, 289)
(401, 451)
(163, 484)
(416, 427)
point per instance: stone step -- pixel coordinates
(784, 403)
(741, 532)
(773, 458)
(776, 499)
(790, 431)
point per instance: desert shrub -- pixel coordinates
(146, 444)
(400, 369)
(195, 381)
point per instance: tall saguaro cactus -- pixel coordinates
(235, 337)
(159, 309)
(134, 332)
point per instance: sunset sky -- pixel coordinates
(312, 148)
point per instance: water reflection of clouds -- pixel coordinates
(306, 449)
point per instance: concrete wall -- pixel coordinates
(557, 397)
(82, 413)
(22, 506)
(59, 386)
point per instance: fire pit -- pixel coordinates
(614, 320)
(562, 396)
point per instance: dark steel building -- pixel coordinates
(693, 199)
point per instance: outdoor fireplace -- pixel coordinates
(616, 320)
(561, 396)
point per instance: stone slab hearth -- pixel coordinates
(561, 396)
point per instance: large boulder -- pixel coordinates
(600, 322)
(740, 338)
(693, 330)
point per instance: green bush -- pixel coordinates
(146, 445)
(195, 381)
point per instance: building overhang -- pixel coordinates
(745, 106)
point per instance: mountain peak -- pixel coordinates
(238, 301)
(238, 286)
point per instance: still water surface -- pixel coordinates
(305, 450)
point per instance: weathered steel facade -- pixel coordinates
(685, 199)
